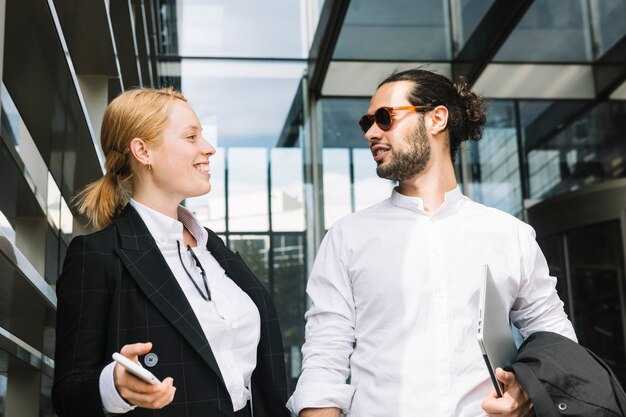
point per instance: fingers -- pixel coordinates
(147, 395)
(134, 350)
(515, 402)
(507, 378)
(136, 391)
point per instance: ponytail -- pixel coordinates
(102, 200)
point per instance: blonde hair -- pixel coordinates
(138, 113)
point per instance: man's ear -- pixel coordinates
(139, 149)
(439, 120)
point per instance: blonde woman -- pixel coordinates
(157, 287)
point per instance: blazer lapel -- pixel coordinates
(145, 263)
(235, 267)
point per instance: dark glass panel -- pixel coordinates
(395, 30)
(596, 258)
(289, 277)
(567, 150)
(493, 161)
(550, 31)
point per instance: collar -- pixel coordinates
(165, 230)
(450, 199)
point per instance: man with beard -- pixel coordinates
(391, 331)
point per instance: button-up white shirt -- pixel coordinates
(395, 293)
(230, 320)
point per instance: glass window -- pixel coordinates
(337, 187)
(52, 266)
(608, 18)
(597, 274)
(340, 122)
(4, 368)
(53, 203)
(254, 250)
(395, 30)
(241, 103)
(289, 281)
(11, 119)
(369, 188)
(67, 221)
(248, 201)
(210, 209)
(246, 28)
(495, 178)
(468, 14)
(45, 398)
(287, 190)
(550, 31)
(552, 248)
(566, 155)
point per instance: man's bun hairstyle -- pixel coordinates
(466, 110)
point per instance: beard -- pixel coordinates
(408, 163)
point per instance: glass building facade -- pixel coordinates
(278, 87)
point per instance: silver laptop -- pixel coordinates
(495, 337)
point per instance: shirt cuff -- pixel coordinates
(321, 396)
(112, 402)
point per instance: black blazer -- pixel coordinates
(116, 288)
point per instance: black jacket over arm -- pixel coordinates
(116, 288)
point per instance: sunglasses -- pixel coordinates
(383, 117)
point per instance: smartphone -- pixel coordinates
(136, 369)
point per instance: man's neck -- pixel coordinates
(431, 186)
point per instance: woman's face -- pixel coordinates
(180, 160)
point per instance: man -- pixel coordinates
(392, 326)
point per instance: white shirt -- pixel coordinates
(395, 294)
(230, 320)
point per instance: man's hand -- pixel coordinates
(320, 412)
(514, 402)
(136, 391)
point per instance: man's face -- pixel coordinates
(403, 151)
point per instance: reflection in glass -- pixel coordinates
(597, 271)
(4, 365)
(608, 20)
(15, 135)
(552, 248)
(369, 188)
(550, 31)
(340, 127)
(287, 190)
(494, 161)
(246, 28)
(395, 30)
(254, 250)
(53, 203)
(11, 119)
(241, 103)
(588, 150)
(247, 190)
(289, 281)
(468, 15)
(210, 209)
(67, 220)
(336, 183)
(45, 399)
(52, 266)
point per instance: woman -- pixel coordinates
(157, 287)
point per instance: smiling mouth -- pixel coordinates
(202, 167)
(379, 151)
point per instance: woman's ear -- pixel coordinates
(139, 149)
(439, 120)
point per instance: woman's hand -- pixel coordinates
(515, 402)
(136, 391)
